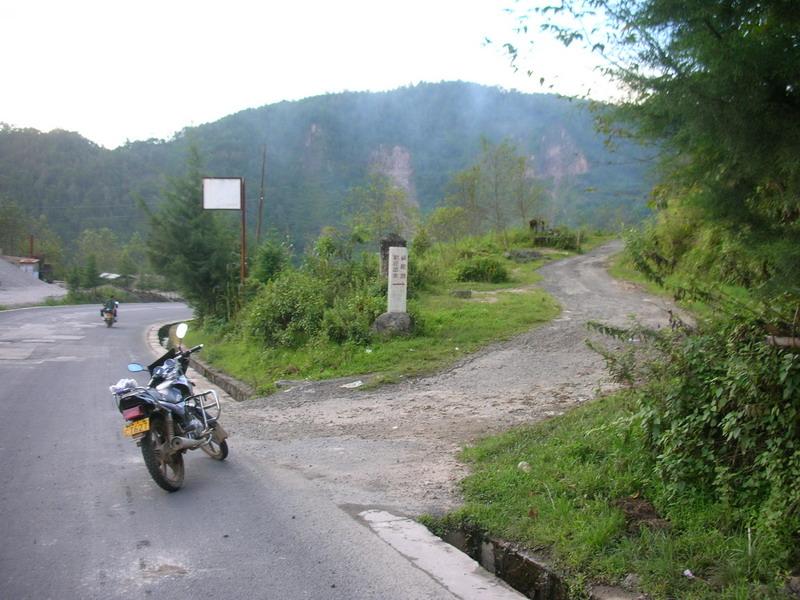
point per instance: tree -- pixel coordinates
(73, 279)
(381, 207)
(717, 85)
(527, 193)
(448, 223)
(465, 195)
(48, 245)
(272, 256)
(195, 248)
(494, 191)
(100, 244)
(497, 170)
(133, 259)
(90, 275)
(13, 226)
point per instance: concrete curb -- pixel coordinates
(235, 389)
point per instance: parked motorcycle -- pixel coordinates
(166, 418)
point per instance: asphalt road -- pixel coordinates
(81, 518)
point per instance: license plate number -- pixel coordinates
(139, 426)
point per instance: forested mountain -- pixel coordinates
(320, 148)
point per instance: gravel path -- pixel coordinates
(396, 447)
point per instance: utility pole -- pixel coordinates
(261, 196)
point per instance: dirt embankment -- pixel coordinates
(396, 447)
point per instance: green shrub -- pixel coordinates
(287, 311)
(97, 295)
(271, 257)
(423, 272)
(483, 269)
(421, 243)
(339, 268)
(720, 415)
(350, 318)
(560, 238)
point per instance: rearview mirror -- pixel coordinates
(180, 331)
(135, 368)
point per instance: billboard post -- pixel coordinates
(227, 193)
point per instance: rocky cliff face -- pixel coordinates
(314, 159)
(395, 163)
(560, 156)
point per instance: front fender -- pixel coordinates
(219, 433)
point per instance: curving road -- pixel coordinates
(82, 519)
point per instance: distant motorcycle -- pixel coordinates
(109, 312)
(166, 418)
(108, 316)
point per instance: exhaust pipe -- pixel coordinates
(182, 443)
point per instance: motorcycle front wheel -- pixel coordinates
(216, 450)
(166, 469)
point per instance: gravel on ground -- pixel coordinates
(18, 288)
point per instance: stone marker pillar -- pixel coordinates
(391, 240)
(398, 279)
(395, 321)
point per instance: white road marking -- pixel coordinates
(15, 352)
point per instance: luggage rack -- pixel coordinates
(123, 395)
(208, 401)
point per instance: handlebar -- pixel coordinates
(191, 350)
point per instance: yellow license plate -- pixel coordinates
(139, 426)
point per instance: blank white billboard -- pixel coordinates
(222, 193)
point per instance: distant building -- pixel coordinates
(28, 265)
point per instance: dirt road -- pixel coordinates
(396, 447)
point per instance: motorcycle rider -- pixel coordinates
(111, 306)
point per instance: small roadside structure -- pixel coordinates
(25, 264)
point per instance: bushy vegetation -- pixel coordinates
(97, 295)
(351, 317)
(486, 269)
(584, 488)
(333, 295)
(680, 241)
(314, 317)
(719, 410)
(722, 415)
(287, 311)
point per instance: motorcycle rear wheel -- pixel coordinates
(109, 322)
(166, 472)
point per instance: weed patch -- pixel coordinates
(582, 487)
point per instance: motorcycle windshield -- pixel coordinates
(171, 353)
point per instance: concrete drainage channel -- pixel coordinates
(523, 572)
(529, 575)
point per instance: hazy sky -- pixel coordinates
(117, 70)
